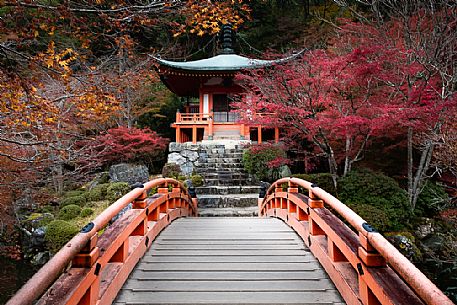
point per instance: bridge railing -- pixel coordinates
(364, 266)
(92, 267)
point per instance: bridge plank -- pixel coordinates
(228, 275)
(229, 266)
(224, 285)
(228, 261)
(209, 259)
(255, 297)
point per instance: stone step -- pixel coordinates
(203, 167)
(228, 212)
(227, 201)
(222, 160)
(225, 174)
(224, 190)
(229, 182)
(223, 155)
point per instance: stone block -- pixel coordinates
(176, 158)
(190, 155)
(130, 173)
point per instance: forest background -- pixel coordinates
(79, 91)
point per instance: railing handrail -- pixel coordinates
(422, 285)
(47, 274)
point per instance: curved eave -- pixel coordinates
(223, 62)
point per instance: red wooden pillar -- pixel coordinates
(276, 135)
(194, 134)
(210, 126)
(259, 134)
(178, 134)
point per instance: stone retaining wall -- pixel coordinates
(189, 156)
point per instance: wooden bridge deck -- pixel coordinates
(228, 261)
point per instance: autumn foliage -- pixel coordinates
(124, 144)
(371, 82)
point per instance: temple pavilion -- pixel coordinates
(211, 81)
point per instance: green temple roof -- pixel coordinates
(222, 62)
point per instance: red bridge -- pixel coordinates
(320, 253)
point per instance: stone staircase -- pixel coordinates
(228, 190)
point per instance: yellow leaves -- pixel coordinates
(206, 17)
(22, 107)
(49, 62)
(58, 61)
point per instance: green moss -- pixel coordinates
(197, 180)
(116, 190)
(377, 198)
(74, 193)
(171, 170)
(405, 243)
(69, 212)
(47, 218)
(34, 216)
(432, 200)
(86, 212)
(58, 233)
(75, 200)
(98, 192)
(47, 209)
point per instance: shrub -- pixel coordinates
(116, 190)
(432, 200)
(197, 180)
(86, 212)
(377, 197)
(75, 200)
(264, 161)
(171, 170)
(58, 233)
(47, 209)
(124, 144)
(69, 212)
(323, 180)
(406, 244)
(98, 192)
(74, 193)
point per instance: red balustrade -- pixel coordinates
(99, 259)
(364, 266)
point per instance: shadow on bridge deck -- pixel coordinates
(228, 261)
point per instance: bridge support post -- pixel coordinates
(140, 203)
(91, 295)
(368, 254)
(366, 295)
(314, 203)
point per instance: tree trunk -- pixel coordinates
(347, 158)
(333, 167)
(410, 164)
(416, 180)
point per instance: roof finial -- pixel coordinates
(227, 39)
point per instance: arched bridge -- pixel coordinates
(306, 248)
